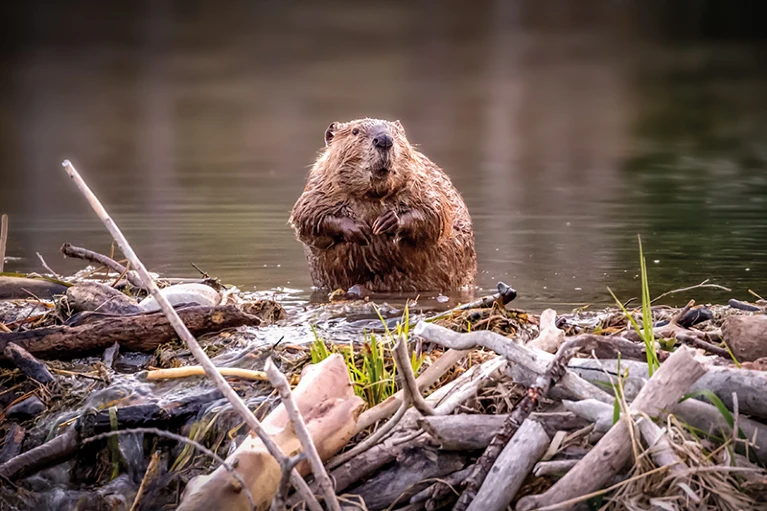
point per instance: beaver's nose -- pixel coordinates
(383, 141)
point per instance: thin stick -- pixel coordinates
(698, 286)
(123, 274)
(173, 318)
(373, 439)
(45, 265)
(429, 377)
(187, 371)
(402, 358)
(70, 250)
(679, 315)
(279, 382)
(3, 239)
(151, 471)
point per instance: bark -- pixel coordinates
(143, 332)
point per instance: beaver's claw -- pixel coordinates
(386, 223)
(355, 232)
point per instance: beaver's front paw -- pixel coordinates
(386, 223)
(354, 232)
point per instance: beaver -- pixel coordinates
(377, 213)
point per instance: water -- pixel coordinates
(568, 129)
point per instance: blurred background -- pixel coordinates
(569, 128)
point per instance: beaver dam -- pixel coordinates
(121, 390)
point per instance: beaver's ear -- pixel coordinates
(330, 133)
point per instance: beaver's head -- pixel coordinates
(367, 157)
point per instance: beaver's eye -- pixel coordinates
(355, 131)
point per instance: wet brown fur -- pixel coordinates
(429, 245)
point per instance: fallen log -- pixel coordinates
(22, 287)
(329, 407)
(93, 296)
(412, 473)
(473, 432)
(511, 468)
(613, 451)
(142, 332)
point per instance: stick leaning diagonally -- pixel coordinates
(280, 383)
(237, 403)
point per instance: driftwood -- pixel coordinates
(504, 296)
(746, 336)
(412, 395)
(143, 332)
(528, 363)
(28, 364)
(749, 385)
(326, 400)
(445, 400)
(22, 287)
(93, 296)
(70, 250)
(613, 451)
(744, 306)
(697, 414)
(185, 335)
(467, 432)
(555, 467)
(411, 474)
(554, 372)
(511, 468)
(549, 337)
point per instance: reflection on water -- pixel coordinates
(568, 130)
